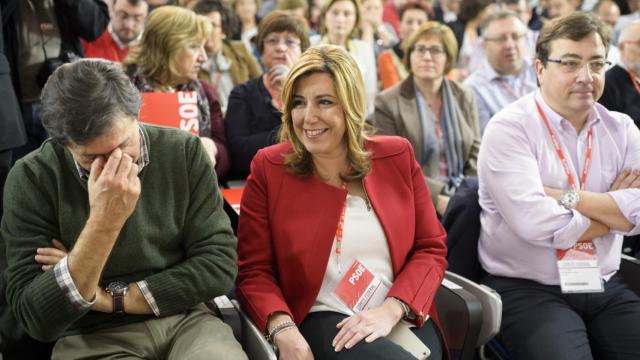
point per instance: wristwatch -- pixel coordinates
(117, 290)
(569, 199)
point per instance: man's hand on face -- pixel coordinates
(114, 188)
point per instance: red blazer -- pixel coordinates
(287, 226)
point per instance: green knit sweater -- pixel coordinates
(178, 239)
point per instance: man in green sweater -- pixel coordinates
(139, 209)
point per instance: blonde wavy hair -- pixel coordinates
(168, 31)
(349, 87)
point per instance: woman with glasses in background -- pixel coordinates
(438, 116)
(255, 107)
(412, 15)
(229, 63)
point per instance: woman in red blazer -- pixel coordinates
(323, 207)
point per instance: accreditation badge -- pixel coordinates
(360, 289)
(579, 270)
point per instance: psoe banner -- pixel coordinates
(177, 110)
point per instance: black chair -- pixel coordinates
(462, 222)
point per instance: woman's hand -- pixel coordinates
(368, 325)
(292, 345)
(49, 257)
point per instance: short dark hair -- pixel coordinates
(131, 2)
(416, 5)
(230, 22)
(82, 99)
(575, 26)
(469, 9)
(279, 21)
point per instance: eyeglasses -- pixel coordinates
(275, 41)
(571, 66)
(434, 51)
(505, 37)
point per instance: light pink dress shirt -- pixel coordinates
(521, 226)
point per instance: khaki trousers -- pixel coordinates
(194, 335)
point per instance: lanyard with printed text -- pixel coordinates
(339, 231)
(565, 164)
(578, 265)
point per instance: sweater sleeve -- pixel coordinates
(30, 222)
(209, 268)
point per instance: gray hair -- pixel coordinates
(81, 100)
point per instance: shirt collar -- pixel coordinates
(492, 74)
(557, 121)
(121, 44)
(142, 162)
(448, 16)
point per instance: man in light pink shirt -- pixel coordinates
(534, 203)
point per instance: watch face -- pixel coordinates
(117, 287)
(570, 199)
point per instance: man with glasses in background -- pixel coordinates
(124, 30)
(622, 86)
(505, 75)
(558, 190)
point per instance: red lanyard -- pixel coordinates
(565, 164)
(633, 80)
(339, 231)
(509, 89)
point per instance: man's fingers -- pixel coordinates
(47, 259)
(636, 182)
(51, 252)
(59, 245)
(96, 169)
(628, 180)
(111, 167)
(619, 178)
(122, 173)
